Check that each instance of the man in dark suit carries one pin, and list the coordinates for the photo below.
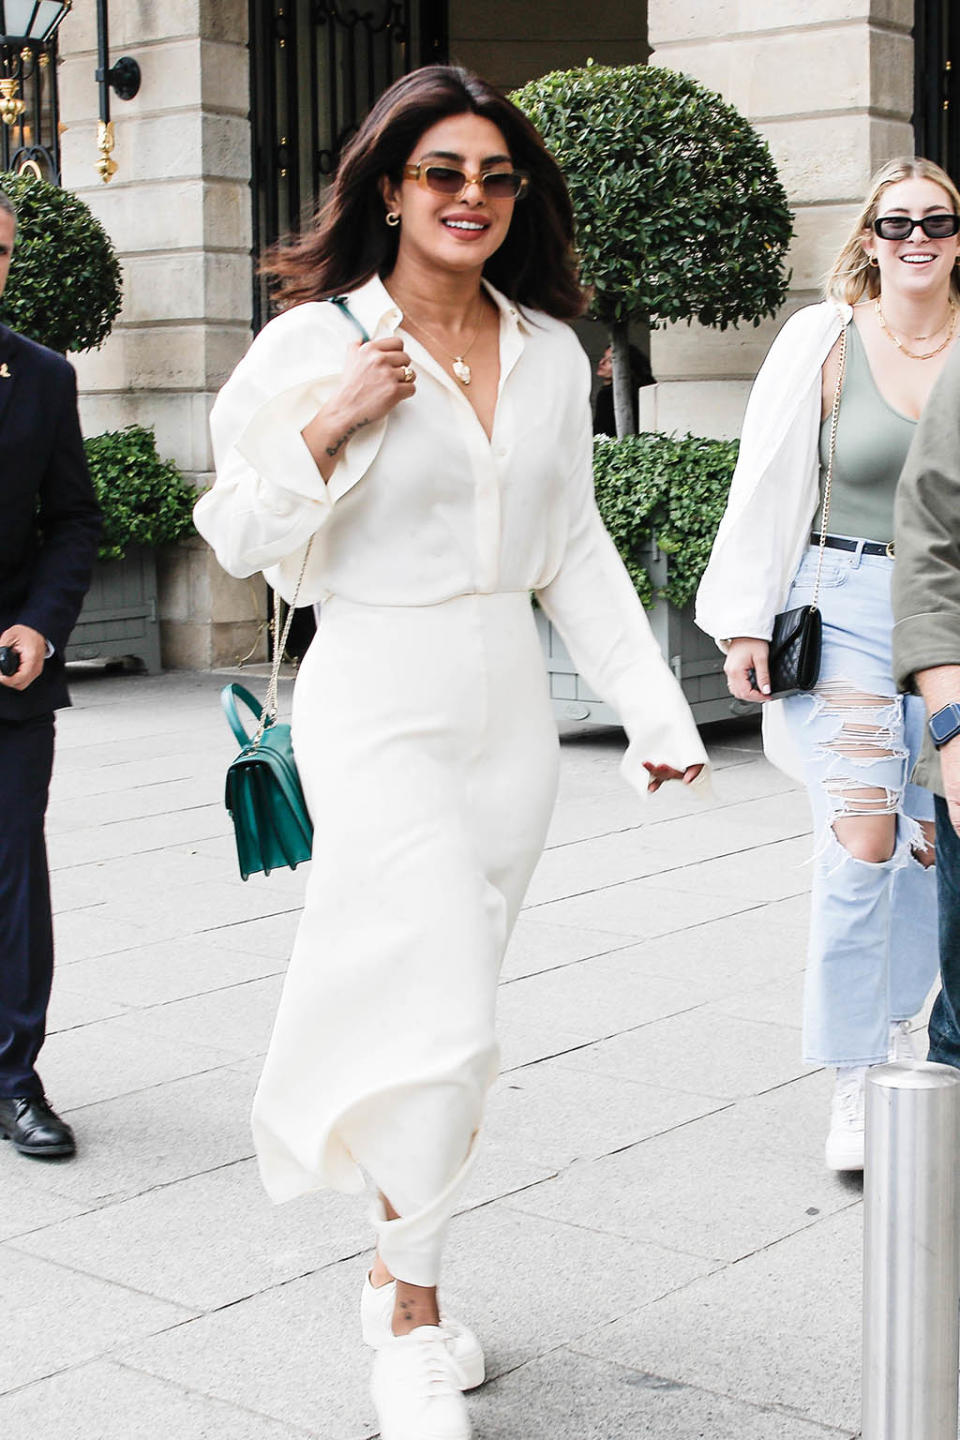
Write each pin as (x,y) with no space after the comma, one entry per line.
(49,529)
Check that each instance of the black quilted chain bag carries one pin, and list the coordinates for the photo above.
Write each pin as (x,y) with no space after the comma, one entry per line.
(797,634)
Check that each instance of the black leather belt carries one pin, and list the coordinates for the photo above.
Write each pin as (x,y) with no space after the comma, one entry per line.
(866,547)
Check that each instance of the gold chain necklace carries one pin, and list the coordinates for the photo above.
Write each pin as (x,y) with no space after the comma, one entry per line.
(458,363)
(912,354)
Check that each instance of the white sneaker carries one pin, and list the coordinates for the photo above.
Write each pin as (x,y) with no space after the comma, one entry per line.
(415,1389)
(844,1147)
(376,1321)
(901,1041)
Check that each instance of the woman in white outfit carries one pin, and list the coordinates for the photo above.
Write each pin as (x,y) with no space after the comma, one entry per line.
(439,472)
(892,298)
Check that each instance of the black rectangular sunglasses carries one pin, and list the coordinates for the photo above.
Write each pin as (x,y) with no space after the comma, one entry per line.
(901,227)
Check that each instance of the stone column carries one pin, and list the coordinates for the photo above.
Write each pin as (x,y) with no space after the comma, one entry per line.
(178,210)
(829,84)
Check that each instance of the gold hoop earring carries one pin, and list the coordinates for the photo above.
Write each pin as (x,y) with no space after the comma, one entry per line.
(393,217)
(874,261)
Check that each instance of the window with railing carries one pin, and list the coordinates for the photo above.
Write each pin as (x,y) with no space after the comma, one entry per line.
(29,114)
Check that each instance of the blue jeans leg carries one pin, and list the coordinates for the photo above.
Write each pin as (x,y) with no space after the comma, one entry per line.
(944,1019)
(913,937)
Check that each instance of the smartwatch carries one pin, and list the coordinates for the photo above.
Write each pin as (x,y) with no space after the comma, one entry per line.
(945,724)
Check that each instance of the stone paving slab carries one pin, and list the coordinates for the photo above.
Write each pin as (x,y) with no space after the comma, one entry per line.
(292,1353)
(115,1402)
(696,1050)
(566,1394)
(650,1192)
(157,1136)
(641,908)
(791,1314)
(164,971)
(64,1317)
(208,1241)
(708,838)
(118,1056)
(561,1115)
(28,1202)
(537,945)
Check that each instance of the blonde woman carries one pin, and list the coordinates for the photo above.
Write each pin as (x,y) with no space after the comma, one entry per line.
(889,320)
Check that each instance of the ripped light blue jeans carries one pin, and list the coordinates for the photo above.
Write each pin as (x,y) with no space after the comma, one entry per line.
(873,952)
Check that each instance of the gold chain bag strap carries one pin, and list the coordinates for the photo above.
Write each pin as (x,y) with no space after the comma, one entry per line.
(263,794)
(797,639)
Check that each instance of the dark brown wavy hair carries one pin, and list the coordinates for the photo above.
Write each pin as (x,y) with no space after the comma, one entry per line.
(349,241)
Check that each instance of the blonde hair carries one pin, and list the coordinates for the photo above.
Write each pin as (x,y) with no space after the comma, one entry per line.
(851,276)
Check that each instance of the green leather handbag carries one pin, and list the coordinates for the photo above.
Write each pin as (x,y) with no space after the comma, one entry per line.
(263,792)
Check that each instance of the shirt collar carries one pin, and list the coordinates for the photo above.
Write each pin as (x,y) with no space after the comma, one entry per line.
(377,311)
(509,309)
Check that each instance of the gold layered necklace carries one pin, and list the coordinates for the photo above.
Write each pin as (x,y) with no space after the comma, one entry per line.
(926,354)
(458,363)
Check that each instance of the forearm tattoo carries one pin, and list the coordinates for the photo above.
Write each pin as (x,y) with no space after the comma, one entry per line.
(338,445)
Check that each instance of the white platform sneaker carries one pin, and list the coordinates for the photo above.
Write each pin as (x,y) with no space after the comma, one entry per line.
(376,1321)
(415,1388)
(845,1142)
(844,1147)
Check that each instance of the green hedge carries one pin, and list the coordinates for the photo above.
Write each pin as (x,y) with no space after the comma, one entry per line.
(145,500)
(680,213)
(64,288)
(670,489)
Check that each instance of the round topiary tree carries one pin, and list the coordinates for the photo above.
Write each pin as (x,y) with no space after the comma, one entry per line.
(64,285)
(680,213)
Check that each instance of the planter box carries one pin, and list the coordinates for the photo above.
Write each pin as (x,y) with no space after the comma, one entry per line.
(692,656)
(119,615)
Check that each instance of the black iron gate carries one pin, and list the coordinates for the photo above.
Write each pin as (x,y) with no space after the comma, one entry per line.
(316,67)
(936,110)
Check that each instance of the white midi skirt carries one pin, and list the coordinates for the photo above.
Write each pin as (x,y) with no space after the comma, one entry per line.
(428,753)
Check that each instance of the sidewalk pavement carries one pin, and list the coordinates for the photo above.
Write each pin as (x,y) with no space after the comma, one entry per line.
(650,1244)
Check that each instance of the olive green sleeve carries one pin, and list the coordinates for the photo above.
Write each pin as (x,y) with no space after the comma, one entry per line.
(926,580)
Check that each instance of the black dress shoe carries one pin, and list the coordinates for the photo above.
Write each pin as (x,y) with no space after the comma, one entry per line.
(33,1127)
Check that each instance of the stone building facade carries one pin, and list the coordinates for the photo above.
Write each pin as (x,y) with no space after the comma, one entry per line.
(830,83)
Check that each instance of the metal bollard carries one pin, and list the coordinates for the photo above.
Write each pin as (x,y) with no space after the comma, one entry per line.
(911,1252)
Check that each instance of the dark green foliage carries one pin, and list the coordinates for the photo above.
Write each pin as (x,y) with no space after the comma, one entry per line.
(680,214)
(657,487)
(145,500)
(64,286)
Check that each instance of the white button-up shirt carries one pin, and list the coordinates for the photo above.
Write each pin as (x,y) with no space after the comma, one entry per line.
(422,506)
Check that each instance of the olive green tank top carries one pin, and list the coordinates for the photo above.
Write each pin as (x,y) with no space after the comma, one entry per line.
(872,444)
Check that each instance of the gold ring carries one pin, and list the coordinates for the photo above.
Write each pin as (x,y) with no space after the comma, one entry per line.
(408,375)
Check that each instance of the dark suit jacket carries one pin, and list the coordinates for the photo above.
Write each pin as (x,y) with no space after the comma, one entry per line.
(49,517)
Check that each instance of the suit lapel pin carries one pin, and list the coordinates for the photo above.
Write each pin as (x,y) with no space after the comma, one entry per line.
(5,371)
